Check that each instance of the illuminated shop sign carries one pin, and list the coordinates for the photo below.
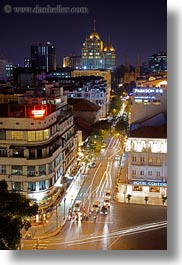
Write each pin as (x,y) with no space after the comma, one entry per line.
(150,183)
(38,113)
(149,90)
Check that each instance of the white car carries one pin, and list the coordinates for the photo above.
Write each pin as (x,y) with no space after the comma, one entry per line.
(117,157)
(107,194)
(77,206)
(96,206)
(107,202)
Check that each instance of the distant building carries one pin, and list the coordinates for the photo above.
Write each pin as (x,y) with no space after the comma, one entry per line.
(132,73)
(27,62)
(25,77)
(95,55)
(74,61)
(6,70)
(157,62)
(64,72)
(43,56)
(109,56)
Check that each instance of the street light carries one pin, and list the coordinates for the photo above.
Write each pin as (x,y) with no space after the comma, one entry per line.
(64,207)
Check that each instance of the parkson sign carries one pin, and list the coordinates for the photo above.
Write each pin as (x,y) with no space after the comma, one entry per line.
(148,90)
(150,183)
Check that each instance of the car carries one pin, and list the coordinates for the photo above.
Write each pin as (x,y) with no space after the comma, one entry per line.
(108,194)
(117,157)
(103,210)
(93,164)
(107,202)
(96,206)
(77,206)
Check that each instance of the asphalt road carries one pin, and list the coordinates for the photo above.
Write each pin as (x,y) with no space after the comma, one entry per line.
(126,226)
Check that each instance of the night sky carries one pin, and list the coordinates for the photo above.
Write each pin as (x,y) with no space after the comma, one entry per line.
(137,27)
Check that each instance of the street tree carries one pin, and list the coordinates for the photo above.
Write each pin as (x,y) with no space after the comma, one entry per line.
(115,106)
(14,212)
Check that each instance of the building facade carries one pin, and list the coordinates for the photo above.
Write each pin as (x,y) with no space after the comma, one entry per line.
(106,74)
(146,150)
(6,70)
(43,56)
(92,88)
(37,142)
(97,56)
(149,99)
(157,62)
(74,61)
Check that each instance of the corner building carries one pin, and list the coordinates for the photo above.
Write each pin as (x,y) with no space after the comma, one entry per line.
(37,142)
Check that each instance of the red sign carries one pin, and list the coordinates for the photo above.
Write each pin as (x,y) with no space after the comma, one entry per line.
(38,113)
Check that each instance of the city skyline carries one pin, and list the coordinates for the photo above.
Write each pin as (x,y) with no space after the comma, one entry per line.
(135,29)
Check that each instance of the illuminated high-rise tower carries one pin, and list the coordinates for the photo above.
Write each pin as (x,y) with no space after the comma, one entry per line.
(109,56)
(92,52)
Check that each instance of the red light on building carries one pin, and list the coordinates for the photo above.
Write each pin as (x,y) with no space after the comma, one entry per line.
(38,113)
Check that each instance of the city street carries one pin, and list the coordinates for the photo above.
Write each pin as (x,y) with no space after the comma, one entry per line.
(126,226)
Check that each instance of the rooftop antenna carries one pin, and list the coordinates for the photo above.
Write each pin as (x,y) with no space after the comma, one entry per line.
(109,39)
(94,25)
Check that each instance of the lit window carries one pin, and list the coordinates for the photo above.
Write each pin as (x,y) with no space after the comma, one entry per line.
(17,170)
(154,189)
(16,135)
(137,188)
(158,160)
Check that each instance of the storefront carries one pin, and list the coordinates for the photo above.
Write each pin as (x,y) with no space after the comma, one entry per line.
(151,189)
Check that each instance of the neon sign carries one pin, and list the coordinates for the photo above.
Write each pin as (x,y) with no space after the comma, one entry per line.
(148,90)
(38,113)
(150,183)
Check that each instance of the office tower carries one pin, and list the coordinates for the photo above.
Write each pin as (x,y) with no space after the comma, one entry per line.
(109,56)
(92,52)
(157,62)
(43,56)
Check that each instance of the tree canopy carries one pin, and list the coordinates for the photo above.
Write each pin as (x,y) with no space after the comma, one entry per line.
(14,208)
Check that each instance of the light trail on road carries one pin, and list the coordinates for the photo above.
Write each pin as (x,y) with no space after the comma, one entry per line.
(106,236)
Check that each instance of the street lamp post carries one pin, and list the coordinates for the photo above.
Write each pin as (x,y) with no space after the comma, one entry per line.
(64,206)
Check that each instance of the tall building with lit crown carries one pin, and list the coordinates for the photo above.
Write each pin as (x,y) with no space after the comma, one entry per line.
(37,142)
(95,55)
(109,56)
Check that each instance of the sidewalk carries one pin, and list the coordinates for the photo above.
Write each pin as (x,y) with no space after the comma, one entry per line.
(57,220)
(139,200)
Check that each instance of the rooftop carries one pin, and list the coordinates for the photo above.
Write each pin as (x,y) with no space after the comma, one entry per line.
(159,132)
(83,105)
